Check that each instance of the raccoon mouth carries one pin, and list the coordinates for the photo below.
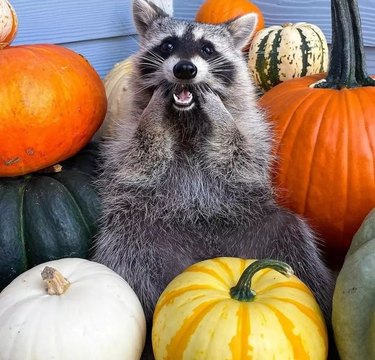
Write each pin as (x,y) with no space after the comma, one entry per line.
(183,100)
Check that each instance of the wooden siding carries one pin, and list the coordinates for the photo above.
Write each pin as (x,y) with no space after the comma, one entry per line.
(103,31)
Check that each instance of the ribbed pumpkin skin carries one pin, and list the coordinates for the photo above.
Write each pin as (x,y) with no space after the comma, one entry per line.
(220,11)
(324,141)
(280,53)
(52,100)
(195,317)
(47,216)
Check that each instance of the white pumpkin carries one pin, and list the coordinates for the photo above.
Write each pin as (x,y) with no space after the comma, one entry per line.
(116,85)
(88,313)
(280,53)
(8,23)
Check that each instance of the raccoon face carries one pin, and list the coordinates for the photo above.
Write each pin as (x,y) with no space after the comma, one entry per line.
(188,58)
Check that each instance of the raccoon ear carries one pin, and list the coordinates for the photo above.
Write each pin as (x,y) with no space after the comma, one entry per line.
(242,29)
(144,13)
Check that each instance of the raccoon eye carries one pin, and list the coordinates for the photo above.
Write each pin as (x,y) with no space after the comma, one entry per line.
(207,49)
(167,47)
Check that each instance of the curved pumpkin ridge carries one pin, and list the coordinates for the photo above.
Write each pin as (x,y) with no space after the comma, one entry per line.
(178,343)
(239,345)
(305,102)
(323,109)
(369,99)
(287,326)
(172,295)
(226,268)
(321,45)
(292,285)
(308,312)
(22,224)
(348,102)
(208,271)
(362,96)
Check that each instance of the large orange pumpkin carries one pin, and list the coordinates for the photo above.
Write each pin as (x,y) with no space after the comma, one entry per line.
(325,138)
(52,102)
(220,11)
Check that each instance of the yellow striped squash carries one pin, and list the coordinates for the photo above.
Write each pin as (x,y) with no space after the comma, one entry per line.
(280,53)
(236,309)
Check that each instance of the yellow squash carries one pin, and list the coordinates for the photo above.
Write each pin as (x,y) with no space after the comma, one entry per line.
(236,309)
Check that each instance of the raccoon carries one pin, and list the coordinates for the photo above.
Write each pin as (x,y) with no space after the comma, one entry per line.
(186,174)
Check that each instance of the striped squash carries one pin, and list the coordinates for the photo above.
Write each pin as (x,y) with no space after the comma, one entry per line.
(280,53)
(236,309)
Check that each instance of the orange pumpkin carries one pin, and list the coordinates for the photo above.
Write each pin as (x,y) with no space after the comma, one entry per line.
(220,11)
(52,102)
(325,138)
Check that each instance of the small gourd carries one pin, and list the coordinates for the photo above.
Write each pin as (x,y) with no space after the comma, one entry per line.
(280,53)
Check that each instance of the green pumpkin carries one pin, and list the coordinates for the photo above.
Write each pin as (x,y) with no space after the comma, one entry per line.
(353,315)
(47,216)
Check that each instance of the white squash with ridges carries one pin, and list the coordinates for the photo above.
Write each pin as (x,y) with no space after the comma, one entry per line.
(280,53)
(83,311)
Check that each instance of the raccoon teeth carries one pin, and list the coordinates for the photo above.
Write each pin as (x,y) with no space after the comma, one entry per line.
(185,98)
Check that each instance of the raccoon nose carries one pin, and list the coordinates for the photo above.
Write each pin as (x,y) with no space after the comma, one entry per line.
(185,69)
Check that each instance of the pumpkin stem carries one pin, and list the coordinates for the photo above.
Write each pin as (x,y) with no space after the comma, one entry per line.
(242,291)
(347,67)
(56,284)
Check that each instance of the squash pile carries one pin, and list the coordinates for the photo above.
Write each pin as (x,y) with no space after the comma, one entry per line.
(52,102)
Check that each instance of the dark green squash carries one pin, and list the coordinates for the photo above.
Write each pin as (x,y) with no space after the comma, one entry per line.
(47,216)
(353,315)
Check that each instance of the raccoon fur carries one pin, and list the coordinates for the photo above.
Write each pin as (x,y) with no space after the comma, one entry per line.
(186,175)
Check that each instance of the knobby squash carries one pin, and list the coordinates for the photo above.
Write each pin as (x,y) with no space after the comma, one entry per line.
(353,309)
(280,53)
(230,308)
(70,309)
(324,138)
(46,216)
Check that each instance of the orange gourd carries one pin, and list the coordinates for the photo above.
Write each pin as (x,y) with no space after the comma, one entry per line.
(220,11)
(325,138)
(52,102)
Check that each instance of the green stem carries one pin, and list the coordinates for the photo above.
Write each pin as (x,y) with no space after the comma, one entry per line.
(243,291)
(347,68)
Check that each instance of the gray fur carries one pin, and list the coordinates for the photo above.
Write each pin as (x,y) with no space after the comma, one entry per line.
(180,187)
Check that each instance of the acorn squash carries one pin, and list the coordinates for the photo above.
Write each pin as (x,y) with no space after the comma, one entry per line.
(353,315)
(47,216)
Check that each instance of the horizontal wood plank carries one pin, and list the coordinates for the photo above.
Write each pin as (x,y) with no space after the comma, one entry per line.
(56,21)
(104,54)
